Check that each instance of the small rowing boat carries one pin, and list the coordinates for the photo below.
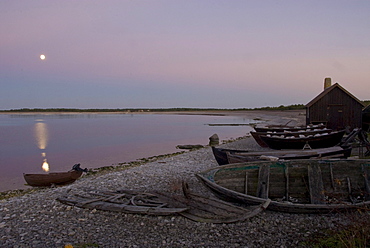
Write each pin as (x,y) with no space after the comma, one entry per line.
(55,178)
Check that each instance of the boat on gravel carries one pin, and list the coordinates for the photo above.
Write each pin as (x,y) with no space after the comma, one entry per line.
(285,128)
(295,186)
(55,178)
(320,153)
(225,156)
(297,134)
(220,154)
(311,141)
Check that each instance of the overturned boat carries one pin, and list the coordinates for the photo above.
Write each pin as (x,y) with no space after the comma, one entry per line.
(295,186)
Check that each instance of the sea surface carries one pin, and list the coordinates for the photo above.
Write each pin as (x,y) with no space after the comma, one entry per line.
(36,143)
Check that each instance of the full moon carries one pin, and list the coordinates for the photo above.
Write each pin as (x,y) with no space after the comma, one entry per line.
(42,57)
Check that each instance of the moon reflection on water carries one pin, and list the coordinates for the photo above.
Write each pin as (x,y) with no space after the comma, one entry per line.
(41,136)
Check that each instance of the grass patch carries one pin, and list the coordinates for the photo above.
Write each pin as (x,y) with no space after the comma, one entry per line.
(233,140)
(355,233)
(18,192)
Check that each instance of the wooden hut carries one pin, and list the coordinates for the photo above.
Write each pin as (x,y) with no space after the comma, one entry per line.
(335,107)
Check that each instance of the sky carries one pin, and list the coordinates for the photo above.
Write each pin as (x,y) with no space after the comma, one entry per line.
(172,53)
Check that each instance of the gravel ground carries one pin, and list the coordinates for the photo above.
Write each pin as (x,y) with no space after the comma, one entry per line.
(38,220)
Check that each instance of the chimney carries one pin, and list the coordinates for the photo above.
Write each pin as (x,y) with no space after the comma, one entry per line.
(327,83)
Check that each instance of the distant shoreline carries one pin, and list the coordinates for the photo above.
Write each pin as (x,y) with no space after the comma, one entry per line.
(275,117)
(151,110)
(190,112)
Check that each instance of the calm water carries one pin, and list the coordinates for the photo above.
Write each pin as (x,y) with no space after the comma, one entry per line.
(96,140)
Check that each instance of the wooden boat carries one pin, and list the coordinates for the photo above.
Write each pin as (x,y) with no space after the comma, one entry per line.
(284,128)
(211,210)
(227,156)
(190,205)
(320,153)
(126,201)
(314,141)
(56,178)
(221,156)
(300,133)
(295,186)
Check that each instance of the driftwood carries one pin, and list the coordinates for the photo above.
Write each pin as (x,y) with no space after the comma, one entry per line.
(190,205)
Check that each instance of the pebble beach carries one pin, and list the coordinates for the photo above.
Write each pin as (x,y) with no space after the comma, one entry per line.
(37,220)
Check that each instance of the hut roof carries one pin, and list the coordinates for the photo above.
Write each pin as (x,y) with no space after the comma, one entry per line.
(329,89)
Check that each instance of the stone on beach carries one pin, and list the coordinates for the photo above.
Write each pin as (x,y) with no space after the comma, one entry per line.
(214,140)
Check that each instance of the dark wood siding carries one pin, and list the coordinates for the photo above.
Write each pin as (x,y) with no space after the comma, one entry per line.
(366,119)
(337,109)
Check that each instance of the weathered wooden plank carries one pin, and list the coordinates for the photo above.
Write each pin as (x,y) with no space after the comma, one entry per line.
(332,177)
(286,174)
(315,184)
(263,181)
(246,183)
(349,187)
(365,171)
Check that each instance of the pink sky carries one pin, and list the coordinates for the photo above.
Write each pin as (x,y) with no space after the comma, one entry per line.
(159,54)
